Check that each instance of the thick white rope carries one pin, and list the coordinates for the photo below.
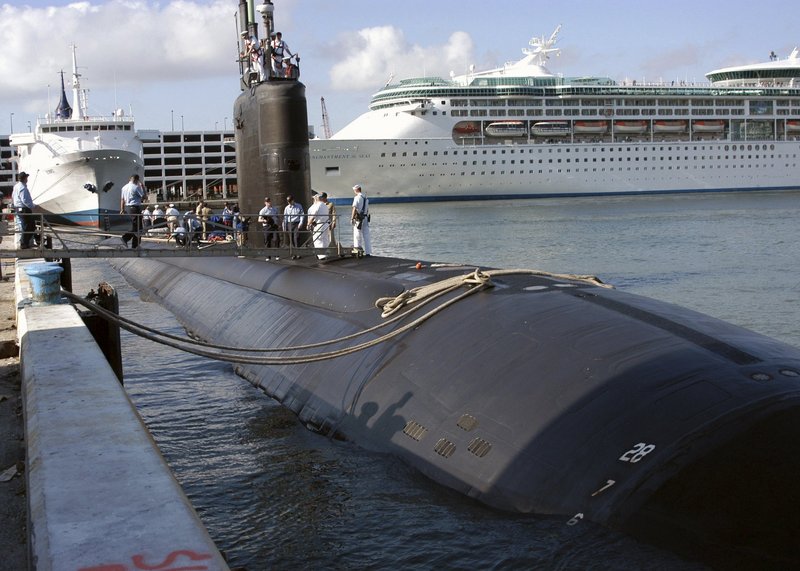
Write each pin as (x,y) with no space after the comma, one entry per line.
(475,281)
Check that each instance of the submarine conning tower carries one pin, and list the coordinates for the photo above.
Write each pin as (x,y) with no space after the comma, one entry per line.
(271,126)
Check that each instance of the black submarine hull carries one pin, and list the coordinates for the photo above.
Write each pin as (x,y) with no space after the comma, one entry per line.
(538,395)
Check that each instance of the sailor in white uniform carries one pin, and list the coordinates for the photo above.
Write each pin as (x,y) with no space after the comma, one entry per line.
(360,220)
(280,51)
(318,223)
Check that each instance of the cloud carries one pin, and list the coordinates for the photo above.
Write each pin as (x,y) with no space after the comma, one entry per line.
(372,55)
(122,43)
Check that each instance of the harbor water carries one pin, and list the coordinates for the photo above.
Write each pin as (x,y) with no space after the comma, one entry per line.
(277,496)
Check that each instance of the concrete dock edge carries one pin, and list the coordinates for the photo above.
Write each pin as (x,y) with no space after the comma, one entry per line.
(100,495)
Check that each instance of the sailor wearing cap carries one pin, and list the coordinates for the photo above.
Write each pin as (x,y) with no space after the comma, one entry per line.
(268,217)
(360,219)
(23,206)
(280,53)
(331,217)
(147,217)
(252,52)
(319,225)
(293,215)
(173,215)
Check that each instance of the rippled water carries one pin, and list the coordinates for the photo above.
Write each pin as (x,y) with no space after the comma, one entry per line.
(276,496)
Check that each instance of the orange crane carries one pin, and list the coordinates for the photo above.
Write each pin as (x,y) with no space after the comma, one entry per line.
(326,126)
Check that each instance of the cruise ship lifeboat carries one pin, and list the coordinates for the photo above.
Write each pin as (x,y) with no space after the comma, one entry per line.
(507,129)
(466,128)
(551,129)
(595,127)
(630,127)
(793,126)
(669,126)
(705,126)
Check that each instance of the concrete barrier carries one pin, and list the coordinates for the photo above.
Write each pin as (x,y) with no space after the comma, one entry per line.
(101,497)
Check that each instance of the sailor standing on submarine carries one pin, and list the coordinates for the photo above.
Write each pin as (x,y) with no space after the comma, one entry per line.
(360,220)
(318,223)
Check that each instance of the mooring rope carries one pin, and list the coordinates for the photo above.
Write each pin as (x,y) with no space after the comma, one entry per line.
(475,281)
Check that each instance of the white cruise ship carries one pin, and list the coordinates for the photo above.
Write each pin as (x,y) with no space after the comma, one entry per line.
(77,164)
(520,131)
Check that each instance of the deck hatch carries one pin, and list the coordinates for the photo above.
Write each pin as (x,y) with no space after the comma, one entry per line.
(467,422)
(444,448)
(479,447)
(415,430)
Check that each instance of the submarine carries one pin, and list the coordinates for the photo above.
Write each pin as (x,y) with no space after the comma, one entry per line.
(527,391)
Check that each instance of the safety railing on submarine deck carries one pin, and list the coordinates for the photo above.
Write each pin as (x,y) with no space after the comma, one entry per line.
(112,236)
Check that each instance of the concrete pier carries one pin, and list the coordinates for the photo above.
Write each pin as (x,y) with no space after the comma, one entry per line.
(13,505)
(100,496)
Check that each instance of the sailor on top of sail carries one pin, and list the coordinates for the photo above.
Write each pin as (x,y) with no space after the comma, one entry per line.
(279,48)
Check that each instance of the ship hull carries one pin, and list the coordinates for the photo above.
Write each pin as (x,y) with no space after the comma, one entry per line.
(58,184)
(449,171)
(540,395)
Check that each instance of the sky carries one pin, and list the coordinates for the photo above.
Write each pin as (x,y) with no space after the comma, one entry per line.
(172,63)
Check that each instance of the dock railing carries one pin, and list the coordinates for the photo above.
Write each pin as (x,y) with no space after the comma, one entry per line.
(113,236)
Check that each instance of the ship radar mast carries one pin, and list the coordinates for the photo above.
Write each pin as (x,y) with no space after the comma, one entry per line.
(542,48)
(79,97)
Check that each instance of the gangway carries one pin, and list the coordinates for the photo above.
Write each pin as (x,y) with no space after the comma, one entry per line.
(60,241)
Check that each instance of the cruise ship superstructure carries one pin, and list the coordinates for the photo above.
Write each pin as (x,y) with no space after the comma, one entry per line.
(77,163)
(521,131)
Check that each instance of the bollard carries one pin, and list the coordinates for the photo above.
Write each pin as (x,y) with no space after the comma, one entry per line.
(45,284)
